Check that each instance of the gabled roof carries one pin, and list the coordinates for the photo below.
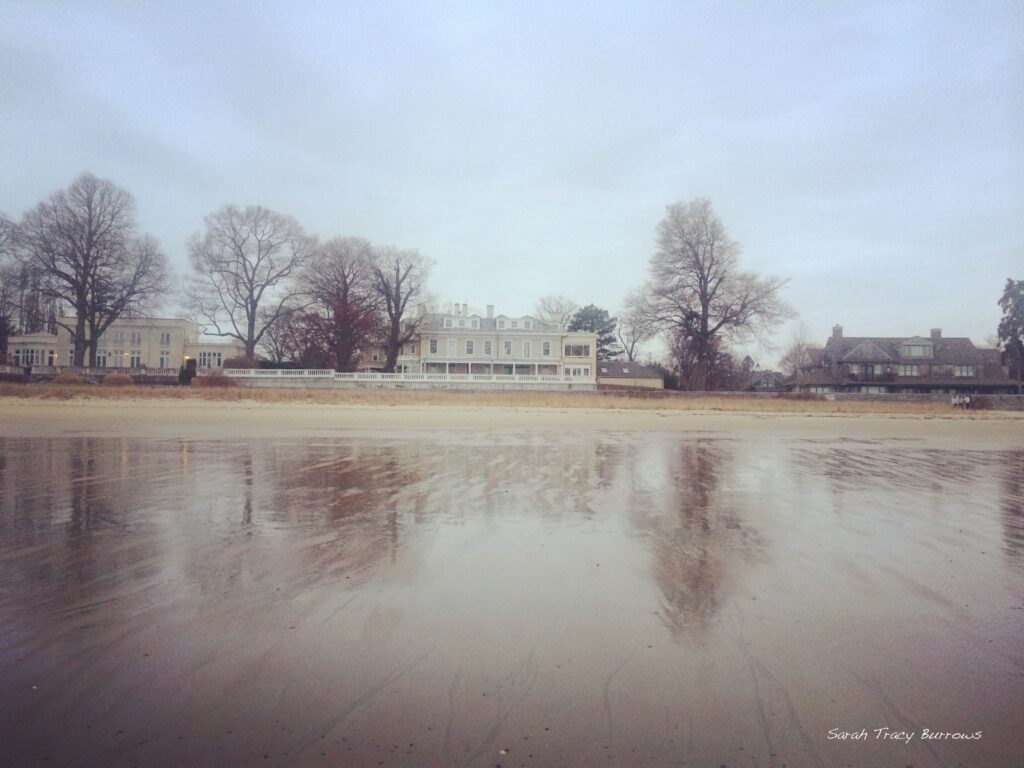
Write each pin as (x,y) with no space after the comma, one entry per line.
(867,351)
(880,349)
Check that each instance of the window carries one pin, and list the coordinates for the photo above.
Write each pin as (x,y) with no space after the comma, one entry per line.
(528,325)
(447,322)
(916,350)
(470,347)
(909,370)
(508,349)
(433,346)
(545,349)
(964,370)
(136,338)
(577,350)
(118,337)
(452,347)
(71,356)
(501,324)
(412,348)
(120,358)
(209,359)
(165,359)
(487,347)
(135,359)
(462,323)
(527,349)
(165,341)
(515,323)
(476,323)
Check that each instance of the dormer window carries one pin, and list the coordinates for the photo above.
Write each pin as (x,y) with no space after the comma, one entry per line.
(528,325)
(911,349)
(447,322)
(462,323)
(501,325)
(476,323)
(515,323)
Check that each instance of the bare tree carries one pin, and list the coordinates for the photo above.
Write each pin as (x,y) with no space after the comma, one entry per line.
(797,357)
(280,341)
(400,278)
(556,309)
(697,291)
(340,280)
(8,278)
(636,325)
(81,246)
(245,265)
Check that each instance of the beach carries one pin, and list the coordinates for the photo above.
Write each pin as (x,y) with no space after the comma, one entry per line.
(304,584)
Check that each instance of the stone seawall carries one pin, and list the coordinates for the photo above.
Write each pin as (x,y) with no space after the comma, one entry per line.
(993,402)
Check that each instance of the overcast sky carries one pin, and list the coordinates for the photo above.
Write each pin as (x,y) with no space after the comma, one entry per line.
(873,154)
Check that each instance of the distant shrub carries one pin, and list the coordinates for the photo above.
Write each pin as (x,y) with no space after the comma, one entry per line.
(215,380)
(14,378)
(68,377)
(117,380)
(242,361)
(800,396)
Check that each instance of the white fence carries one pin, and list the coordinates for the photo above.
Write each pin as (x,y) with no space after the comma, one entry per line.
(52,370)
(400,378)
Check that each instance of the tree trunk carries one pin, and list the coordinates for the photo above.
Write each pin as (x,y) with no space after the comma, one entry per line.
(79,340)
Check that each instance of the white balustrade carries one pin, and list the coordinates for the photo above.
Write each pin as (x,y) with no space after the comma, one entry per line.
(398,378)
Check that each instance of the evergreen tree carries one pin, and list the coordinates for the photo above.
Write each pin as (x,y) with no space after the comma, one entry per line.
(593,319)
(1011,327)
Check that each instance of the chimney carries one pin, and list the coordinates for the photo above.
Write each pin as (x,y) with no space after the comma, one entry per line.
(837,331)
(465,310)
(936,334)
(490,311)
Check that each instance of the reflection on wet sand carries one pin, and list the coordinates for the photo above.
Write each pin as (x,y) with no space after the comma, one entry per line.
(1013,506)
(470,599)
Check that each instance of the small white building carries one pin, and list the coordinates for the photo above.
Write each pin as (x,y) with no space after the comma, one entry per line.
(152,343)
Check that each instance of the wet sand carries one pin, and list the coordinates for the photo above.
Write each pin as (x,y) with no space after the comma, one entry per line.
(311,586)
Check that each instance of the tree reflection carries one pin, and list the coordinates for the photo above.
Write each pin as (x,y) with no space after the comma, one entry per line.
(699,540)
(1012,504)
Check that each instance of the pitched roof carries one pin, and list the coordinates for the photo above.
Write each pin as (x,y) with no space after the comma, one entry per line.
(435,322)
(882,349)
(866,351)
(610,369)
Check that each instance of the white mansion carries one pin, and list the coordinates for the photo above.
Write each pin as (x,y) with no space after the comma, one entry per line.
(464,343)
(153,343)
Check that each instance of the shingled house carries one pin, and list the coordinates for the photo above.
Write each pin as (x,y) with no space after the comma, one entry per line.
(875,365)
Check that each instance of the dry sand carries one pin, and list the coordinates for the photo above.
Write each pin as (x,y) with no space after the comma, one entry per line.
(164,417)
